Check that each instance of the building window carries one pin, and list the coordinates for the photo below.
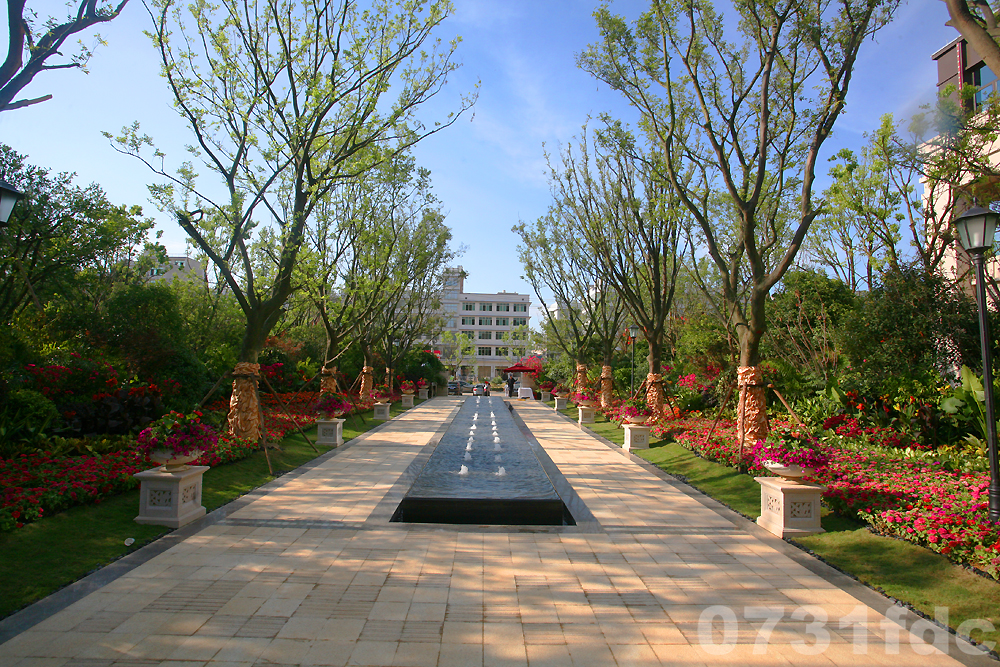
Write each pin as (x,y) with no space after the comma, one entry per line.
(485,321)
(485,351)
(520,307)
(485,335)
(520,321)
(468,321)
(503,321)
(451,307)
(502,351)
(503,307)
(468,306)
(450,324)
(180,266)
(500,334)
(469,334)
(486,307)
(450,294)
(986,81)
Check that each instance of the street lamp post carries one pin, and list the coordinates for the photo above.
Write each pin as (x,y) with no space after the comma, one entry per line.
(633,331)
(976,228)
(8,197)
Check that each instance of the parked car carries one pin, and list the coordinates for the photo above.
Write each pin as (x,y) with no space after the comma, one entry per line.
(479,390)
(459,387)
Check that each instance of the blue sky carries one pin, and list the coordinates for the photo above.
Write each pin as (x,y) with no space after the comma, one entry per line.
(489,168)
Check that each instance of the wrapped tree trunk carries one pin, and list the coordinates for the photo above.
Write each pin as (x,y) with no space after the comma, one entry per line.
(580,382)
(328,381)
(751,413)
(244,406)
(367,378)
(607,383)
(654,393)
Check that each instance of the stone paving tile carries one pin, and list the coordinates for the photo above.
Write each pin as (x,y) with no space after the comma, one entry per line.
(677,592)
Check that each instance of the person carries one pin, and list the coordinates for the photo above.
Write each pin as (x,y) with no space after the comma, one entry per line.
(510,385)
(486,387)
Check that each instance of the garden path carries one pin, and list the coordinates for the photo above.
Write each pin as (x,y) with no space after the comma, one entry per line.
(309,571)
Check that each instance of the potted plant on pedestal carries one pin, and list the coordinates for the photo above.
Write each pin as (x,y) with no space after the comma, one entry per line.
(635,411)
(585,398)
(790,453)
(176,440)
(407,387)
(332,406)
(381,394)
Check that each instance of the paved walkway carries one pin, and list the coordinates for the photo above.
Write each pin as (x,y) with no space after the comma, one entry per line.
(309,571)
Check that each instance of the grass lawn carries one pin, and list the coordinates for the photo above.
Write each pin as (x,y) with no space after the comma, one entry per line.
(46,555)
(905,571)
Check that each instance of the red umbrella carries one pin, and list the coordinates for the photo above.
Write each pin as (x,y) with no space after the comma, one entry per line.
(519,368)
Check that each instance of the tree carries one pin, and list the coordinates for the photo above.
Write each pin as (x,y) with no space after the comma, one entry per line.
(631,224)
(557,261)
(22,40)
(977,22)
(285,100)
(743,119)
(456,349)
(63,239)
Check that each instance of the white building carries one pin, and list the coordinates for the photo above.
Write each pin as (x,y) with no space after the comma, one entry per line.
(183,268)
(497,324)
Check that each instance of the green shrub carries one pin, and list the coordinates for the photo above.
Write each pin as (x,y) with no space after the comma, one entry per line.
(24,416)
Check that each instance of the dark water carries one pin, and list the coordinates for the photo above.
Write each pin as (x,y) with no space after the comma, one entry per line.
(442,494)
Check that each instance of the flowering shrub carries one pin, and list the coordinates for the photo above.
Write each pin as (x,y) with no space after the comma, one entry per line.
(917,500)
(179,434)
(40,484)
(422,383)
(585,396)
(407,387)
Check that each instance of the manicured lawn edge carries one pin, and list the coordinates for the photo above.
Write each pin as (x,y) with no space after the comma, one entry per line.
(35,560)
(901,571)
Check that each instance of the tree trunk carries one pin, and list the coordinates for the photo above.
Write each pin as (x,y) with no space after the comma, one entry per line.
(654,379)
(244,406)
(607,383)
(580,381)
(751,415)
(328,381)
(367,380)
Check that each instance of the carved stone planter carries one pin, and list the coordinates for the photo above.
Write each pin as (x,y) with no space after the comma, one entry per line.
(422,393)
(407,400)
(586,414)
(788,508)
(170,499)
(561,402)
(636,437)
(330,432)
(382,411)
(546,397)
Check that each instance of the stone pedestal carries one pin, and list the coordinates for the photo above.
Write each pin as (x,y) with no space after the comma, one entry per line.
(525,393)
(586,415)
(636,437)
(407,400)
(546,396)
(170,499)
(561,402)
(422,393)
(382,411)
(788,509)
(330,432)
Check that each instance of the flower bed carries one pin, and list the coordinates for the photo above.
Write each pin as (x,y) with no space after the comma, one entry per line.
(35,485)
(919,501)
